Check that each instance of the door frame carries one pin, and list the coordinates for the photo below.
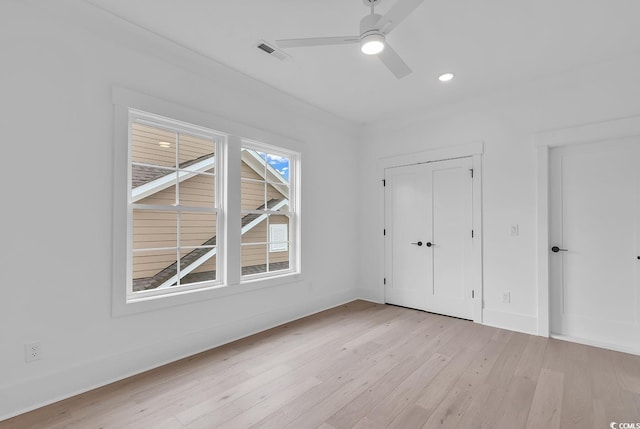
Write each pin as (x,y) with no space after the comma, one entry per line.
(544,141)
(470,150)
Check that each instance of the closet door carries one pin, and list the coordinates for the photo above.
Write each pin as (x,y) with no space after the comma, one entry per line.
(429,237)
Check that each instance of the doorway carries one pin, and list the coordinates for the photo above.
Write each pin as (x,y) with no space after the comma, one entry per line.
(594,242)
(552,292)
(429,237)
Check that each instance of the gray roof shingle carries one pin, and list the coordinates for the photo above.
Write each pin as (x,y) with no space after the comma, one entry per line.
(141,174)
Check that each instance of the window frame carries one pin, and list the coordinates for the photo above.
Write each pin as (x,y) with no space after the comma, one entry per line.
(178,127)
(229,153)
(293,212)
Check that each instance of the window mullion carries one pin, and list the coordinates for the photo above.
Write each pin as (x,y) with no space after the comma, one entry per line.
(233,225)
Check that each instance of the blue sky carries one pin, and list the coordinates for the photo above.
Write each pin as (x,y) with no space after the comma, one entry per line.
(279,163)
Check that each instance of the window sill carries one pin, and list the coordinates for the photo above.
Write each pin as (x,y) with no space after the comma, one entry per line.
(272,280)
(152,303)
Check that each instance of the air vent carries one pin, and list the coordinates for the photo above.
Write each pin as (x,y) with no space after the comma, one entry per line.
(268,49)
(271,50)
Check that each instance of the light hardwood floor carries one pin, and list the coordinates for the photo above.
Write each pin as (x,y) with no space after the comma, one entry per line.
(365,365)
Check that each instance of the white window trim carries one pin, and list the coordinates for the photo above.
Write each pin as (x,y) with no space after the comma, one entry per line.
(138,116)
(229,236)
(294,207)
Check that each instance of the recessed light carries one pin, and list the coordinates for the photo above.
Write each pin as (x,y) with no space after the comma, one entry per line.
(164,144)
(445,77)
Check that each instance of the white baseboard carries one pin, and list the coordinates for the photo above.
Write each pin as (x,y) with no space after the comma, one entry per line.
(494,318)
(369,295)
(511,321)
(104,370)
(600,344)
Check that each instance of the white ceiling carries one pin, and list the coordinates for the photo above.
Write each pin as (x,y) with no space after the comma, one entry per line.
(489,44)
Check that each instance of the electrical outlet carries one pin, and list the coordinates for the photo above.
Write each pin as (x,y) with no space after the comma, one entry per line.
(32,352)
(506,297)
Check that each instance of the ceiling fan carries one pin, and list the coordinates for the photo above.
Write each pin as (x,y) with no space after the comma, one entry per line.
(373,31)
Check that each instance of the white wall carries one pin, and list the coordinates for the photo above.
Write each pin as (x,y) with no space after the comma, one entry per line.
(58,64)
(506,122)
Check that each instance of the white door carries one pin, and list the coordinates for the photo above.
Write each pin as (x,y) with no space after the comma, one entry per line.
(428,246)
(594,235)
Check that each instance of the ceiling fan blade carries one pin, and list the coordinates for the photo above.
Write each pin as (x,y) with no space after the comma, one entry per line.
(392,60)
(317,41)
(397,14)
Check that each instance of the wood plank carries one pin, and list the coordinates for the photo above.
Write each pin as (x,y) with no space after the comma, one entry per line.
(407,391)
(517,399)
(365,365)
(547,401)
(421,342)
(577,400)
(485,412)
(432,395)
(269,405)
(349,390)
(505,366)
(532,357)
(451,409)
(349,415)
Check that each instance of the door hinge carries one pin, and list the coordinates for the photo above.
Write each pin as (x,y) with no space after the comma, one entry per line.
(384,182)
(471,233)
(471,170)
(384,281)
(473,294)
(384,232)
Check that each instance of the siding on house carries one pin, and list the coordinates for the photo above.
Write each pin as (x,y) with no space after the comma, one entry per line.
(146,149)
(154,229)
(256,254)
(157,229)
(253,189)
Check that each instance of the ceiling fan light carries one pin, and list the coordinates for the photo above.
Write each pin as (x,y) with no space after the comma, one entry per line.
(372,44)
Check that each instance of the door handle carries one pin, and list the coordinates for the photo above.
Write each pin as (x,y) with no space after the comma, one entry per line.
(429,244)
(556,249)
(419,243)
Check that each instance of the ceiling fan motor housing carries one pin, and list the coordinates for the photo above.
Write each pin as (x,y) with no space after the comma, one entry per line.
(371,38)
(368,25)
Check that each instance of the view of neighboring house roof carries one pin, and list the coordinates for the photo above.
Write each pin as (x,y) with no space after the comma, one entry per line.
(168,276)
(143,176)
(258,164)
(252,269)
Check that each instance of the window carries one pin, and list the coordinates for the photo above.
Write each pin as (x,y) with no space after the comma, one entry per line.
(268,213)
(203,209)
(173,206)
(278,234)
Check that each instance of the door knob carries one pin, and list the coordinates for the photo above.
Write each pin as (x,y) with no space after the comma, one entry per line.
(419,243)
(429,244)
(556,249)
